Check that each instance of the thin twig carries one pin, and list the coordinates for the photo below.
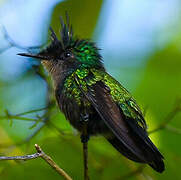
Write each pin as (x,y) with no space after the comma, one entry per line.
(32,111)
(26,157)
(44,119)
(12,43)
(85,156)
(19,116)
(49,160)
(34,133)
(44,156)
(169,117)
(84,140)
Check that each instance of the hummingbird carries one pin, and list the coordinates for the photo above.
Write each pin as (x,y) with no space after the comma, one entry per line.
(87,94)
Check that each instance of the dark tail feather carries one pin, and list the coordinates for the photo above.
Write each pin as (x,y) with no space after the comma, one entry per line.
(147,146)
(122,148)
(156,163)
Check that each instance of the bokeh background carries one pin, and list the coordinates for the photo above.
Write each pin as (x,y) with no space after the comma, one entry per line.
(141,47)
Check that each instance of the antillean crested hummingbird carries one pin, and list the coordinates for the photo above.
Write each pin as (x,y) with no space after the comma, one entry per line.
(93,101)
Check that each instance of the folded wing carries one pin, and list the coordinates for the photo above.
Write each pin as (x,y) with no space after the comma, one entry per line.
(126,135)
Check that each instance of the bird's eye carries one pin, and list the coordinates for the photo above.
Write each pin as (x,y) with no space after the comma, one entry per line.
(67,54)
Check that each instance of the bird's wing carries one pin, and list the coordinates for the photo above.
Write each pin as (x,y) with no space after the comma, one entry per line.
(100,98)
(119,115)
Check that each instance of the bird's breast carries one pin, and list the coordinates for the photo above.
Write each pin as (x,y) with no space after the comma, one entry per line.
(74,105)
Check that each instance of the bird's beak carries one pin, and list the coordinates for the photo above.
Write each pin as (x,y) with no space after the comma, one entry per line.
(37,56)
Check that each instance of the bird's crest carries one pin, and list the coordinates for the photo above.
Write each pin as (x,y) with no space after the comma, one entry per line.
(65,41)
(84,50)
(66,34)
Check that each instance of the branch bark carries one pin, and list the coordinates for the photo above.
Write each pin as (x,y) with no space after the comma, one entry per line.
(42,155)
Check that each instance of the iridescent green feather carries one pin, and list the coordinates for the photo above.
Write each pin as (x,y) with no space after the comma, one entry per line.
(119,94)
(87,53)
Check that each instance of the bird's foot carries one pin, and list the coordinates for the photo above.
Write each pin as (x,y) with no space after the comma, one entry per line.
(84,118)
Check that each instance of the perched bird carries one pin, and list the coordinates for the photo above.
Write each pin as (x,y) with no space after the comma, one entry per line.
(87,94)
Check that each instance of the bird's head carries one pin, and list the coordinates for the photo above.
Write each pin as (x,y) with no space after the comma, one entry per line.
(68,53)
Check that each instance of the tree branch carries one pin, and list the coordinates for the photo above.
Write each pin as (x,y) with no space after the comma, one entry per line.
(8,115)
(44,156)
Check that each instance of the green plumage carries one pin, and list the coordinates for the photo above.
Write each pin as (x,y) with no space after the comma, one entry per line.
(118,93)
(85,92)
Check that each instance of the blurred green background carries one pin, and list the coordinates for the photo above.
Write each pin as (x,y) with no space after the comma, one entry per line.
(141,47)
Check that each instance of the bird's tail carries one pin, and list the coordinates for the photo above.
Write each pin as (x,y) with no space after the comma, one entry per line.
(149,153)
(158,165)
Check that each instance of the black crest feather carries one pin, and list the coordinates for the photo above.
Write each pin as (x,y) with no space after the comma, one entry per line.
(65,41)
(66,32)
